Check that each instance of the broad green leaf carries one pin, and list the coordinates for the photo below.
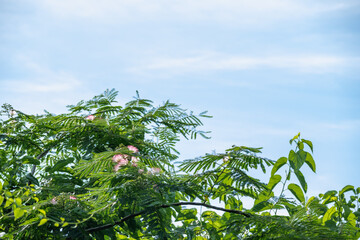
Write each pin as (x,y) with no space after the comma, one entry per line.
(9,201)
(297,192)
(301,179)
(65,224)
(274,180)
(30,160)
(8,194)
(352,219)
(18,201)
(309,143)
(32,179)
(329,196)
(347,211)
(42,221)
(295,137)
(310,201)
(310,162)
(1,200)
(329,193)
(42,211)
(279,163)
(329,213)
(18,213)
(296,159)
(0,186)
(346,189)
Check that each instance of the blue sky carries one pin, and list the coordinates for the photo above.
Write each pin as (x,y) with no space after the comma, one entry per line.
(265,70)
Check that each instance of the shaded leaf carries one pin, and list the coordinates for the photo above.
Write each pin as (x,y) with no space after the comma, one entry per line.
(297,192)
(30,160)
(274,180)
(301,179)
(32,179)
(310,162)
(346,189)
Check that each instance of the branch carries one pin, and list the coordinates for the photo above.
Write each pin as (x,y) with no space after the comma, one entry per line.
(41,155)
(106,226)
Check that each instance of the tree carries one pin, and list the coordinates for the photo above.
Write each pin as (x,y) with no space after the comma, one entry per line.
(103,171)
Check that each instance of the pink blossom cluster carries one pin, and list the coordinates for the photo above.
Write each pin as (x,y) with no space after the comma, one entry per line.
(155,170)
(90,118)
(123,159)
(54,200)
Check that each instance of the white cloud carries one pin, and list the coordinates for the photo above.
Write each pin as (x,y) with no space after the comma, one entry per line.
(216,62)
(41,79)
(230,11)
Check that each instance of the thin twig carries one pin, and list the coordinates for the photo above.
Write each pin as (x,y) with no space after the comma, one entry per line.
(106,226)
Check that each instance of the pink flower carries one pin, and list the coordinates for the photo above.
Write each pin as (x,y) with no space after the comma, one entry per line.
(72,198)
(133,149)
(134,159)
(120,163)
(12,113)
(226,158)
(155,170)
(123,162)
(134,164)
(90,117)
(118,158)
(116,167)
(141,171)
(53,201)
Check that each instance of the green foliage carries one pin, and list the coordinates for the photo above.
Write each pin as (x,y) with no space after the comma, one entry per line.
(104,171)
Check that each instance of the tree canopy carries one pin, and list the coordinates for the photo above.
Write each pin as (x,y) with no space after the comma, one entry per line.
(104,171)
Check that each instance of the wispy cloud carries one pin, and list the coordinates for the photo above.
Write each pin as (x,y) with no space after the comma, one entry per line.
(229,11)
(216,62)
(41,79)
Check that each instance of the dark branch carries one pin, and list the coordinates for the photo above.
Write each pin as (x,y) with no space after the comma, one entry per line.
(94,229)
(41,155)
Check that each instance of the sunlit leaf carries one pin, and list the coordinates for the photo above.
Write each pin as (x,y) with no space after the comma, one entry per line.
(278,164)
(310,162)
(328,214)
(18,213)
(18,201)
(295,137)
(9,201)
(274,180)
(42,221)
(309,143)
(352,219)
(346,189)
